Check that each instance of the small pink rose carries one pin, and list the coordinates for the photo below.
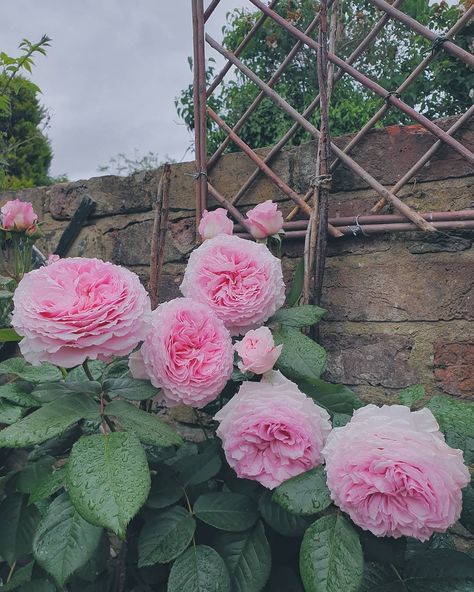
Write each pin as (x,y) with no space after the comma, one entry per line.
(265,220)
(18,215)
(214,223)
(258,351)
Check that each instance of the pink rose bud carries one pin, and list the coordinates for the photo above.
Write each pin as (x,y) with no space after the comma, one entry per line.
(52,258)
(258,351)
(214,223)
(265,220)
(18,215)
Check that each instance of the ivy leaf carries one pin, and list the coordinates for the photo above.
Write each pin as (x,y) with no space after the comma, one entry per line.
(64,541)
(108,479)
(305,494)
(19,367)
(301,358)
(129,388)
(165,536)
(226,511)
(336,398)
(247,556)
(331,557)
(148,428)
(456,420)
(279,519)
(50,420)
(200,569)
(410,395)
(19,522)
(299,316)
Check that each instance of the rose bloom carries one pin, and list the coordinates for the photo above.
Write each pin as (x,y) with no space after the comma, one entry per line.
(265,220)
(271,431)
(79,308)
(241,281)
(258,351)
(187,353)
(18,215)
(214,223)
(390,469)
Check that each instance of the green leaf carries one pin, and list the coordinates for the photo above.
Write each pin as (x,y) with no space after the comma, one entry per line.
(456,420)
(18,522)
(19,367)
(50,391)
(108,479)
(331,556)
(226,511)
(439,571)
(9,413)
(301,357)
(48,486)
(19,393)
(165,488)
(64,541)
(33,473)
(336,398)
(279,519)
(78,374)
(200,569)
(21,576)
(50,420)
(7,334)
(305,494)
(129,388)
(148,428)
(296,285)
(247,556)
(165,536)
(41,585)
(299,316)
(410,395)
(198,468)
(381,578)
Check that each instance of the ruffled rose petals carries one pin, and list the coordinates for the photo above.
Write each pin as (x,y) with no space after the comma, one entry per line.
(390,469)
(79,308)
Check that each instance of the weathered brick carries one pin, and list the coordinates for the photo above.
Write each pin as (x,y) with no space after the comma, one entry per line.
(454,367)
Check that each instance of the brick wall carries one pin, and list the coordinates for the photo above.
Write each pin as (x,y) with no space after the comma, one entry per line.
(400,307)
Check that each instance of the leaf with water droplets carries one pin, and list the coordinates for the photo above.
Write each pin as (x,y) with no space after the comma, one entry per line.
(165,536)
(148,428)
(18,522)
(50,420)
(19,367)
(108,479)
(200,569)
(64,541)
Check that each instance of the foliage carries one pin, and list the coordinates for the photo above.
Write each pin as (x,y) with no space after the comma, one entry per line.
(445,88)
(25,152)
(124,165)
(87,474)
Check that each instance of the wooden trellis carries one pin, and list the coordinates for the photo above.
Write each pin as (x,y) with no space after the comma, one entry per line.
(317,211)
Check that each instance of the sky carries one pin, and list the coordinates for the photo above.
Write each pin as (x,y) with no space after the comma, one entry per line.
(111,74)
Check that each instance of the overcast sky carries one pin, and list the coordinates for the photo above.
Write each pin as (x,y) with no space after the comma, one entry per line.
(111,75)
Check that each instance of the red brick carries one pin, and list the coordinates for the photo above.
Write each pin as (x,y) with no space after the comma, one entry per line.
(454,367)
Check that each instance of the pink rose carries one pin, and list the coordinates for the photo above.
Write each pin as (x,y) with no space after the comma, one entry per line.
(258,351)
(187,353)
(52,258)
(390,469)
(214,223)
(18,215)
(271,431)
(265,220)
(79,308)
(241,281)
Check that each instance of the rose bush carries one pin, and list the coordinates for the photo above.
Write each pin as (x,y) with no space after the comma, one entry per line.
(262,484)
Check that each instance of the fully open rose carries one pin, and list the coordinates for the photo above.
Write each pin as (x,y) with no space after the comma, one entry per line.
(271,431)
(390,469)
(79,308)
(187,352)
(241,281)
